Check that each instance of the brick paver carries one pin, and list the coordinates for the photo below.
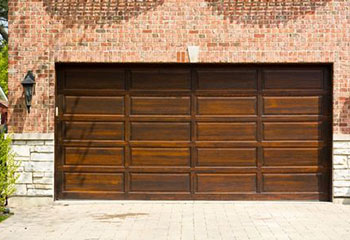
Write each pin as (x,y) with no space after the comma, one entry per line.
(179,220)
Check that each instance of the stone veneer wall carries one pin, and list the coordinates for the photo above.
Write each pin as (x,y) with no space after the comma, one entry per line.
(36,153)
(341,166)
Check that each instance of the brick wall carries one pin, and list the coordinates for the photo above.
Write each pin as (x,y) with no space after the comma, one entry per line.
(289,31)
(43,32)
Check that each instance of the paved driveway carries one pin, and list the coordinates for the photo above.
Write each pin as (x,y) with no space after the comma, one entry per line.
(179,220)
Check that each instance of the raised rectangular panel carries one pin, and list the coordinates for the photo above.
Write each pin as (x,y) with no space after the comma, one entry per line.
(292,131)
(94,105)
(226,105)
(94,182)
(229,183)
(167,131)
(293,105)
(161,79)
(226,131)
(95,79)
(161,105)
(159,182)
(226,157)
(94,130)
(227,79)
(94,156)
(293,79)
(160,156)
(292,156)
(293,182)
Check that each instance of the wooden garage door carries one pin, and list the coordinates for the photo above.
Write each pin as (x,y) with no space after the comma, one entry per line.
(193,132)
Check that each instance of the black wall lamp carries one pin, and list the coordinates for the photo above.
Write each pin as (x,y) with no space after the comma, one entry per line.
(28,85)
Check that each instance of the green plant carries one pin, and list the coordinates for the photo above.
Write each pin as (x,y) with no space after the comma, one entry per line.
(8,170)
(4,67)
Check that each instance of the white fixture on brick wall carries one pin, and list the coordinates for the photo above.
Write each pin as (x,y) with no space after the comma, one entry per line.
(193,52)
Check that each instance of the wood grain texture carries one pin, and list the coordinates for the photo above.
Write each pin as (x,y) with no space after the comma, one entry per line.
(292,131)
(226,131)
(94,105)
(161,182)
(226,183)
(94,130)
(93,182)
(160,156)
(292,156)
(292,105)
(292,183)
(94,156)
(226,156)
(226,79)
(193,131)
(160,131)
(226,106)
(160,105)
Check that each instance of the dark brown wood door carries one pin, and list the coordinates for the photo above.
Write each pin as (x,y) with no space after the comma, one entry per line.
(193,132)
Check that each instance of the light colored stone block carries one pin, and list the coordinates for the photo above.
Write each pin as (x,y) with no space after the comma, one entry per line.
(342,191)
(342,174)
(33,143)
(340,151)
(43,149)
(25,177)
(43,166)
(28,166)
(50,143)
(42,156)
(337,183)
(340,159)
(40,192)
(21,189)
(43,180)
(14,142)
(21,150)
(22,159)
(38,174)
(43,186)
(341,145)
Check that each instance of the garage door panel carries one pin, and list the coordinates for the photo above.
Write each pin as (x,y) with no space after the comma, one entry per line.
(95,79)
(160,156)
(164,182)
(293,105)
(226,131)
(226,157)
(226,106)
(293,79)
(292,156)
(292,131)
(161,105)
(166,131)
(94,130)
(161,79)
(94,182)
(94,105)
(226,183)
(311,182)
(227,79)
(94,156)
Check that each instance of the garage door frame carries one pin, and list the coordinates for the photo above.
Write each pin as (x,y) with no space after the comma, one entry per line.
(58,177)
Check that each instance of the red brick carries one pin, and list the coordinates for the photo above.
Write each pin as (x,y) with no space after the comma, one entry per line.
(288,31)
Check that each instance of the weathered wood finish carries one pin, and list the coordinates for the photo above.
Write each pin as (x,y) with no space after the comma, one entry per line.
(147,131)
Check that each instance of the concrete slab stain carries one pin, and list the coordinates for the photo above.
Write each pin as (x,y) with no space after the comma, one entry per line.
(120,216)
